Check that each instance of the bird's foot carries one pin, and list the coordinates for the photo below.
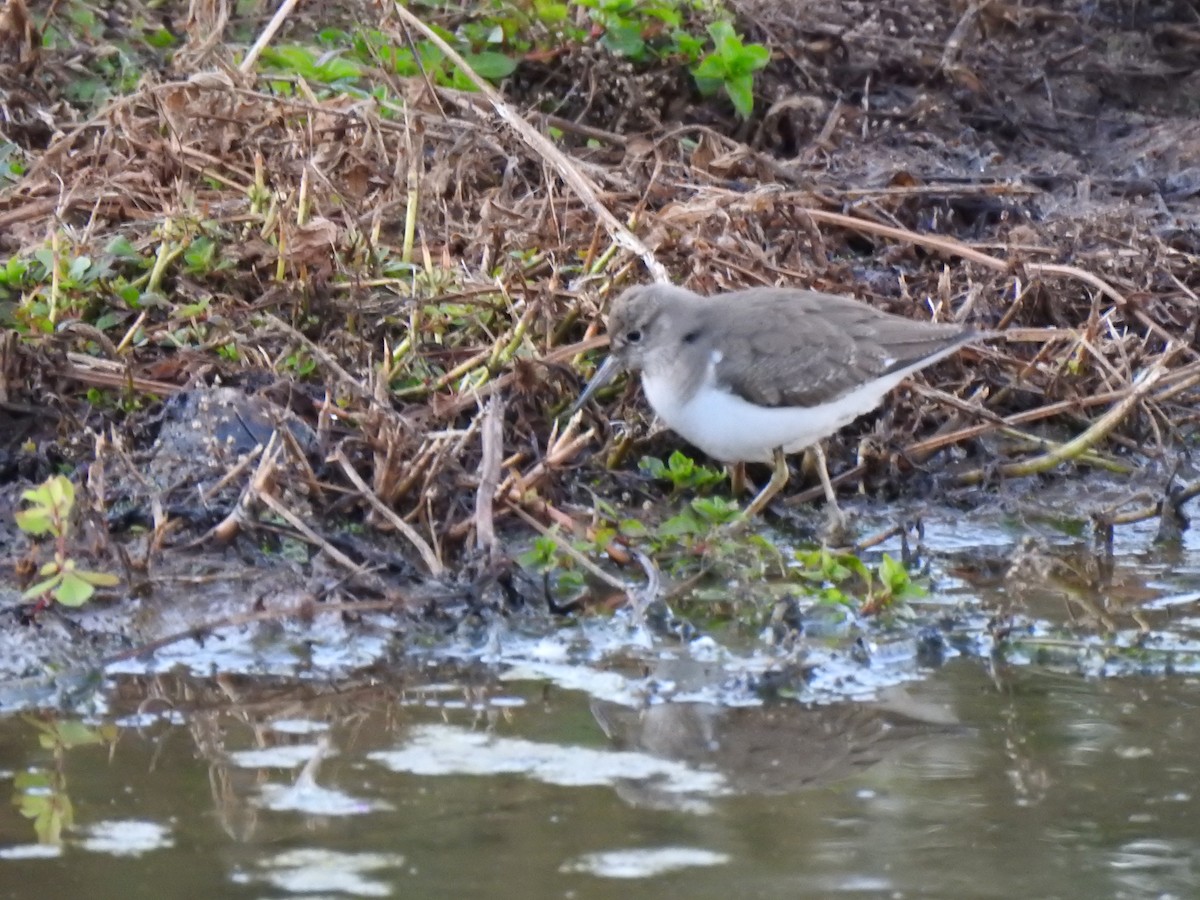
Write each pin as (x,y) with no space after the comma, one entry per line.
(838,530)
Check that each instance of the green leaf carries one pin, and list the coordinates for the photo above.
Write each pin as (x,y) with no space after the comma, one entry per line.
(332,37)
(121,249)
(541,555)
(666,14)
(688,46)
(740,89)
(160,39)
(709,86)
(633,528)
(716,510)
(302,61)
(74,590)
(193,310)
(602,537)
(40,797)
(199,255)
(37,591)
(98,579)
(682,525)
(571,582)
(81,15)
(892,573)
(45,257)
(551,13)
(490,64)
(34,521)
(14,270)
(625,40)
(73,733)
(458,80)
(401,60)
(78,268)
(654,467)
(62,492)
(289,57)
(109,320)
(753,57)
(724,38)
(711,68)
(337,69)
(680,465)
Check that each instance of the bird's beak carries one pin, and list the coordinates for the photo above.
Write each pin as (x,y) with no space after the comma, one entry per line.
(610,367)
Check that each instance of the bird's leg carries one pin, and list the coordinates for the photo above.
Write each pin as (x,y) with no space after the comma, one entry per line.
(837,519)
(737,478)
(779,477)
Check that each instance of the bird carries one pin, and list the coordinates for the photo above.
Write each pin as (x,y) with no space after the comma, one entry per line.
(756,374)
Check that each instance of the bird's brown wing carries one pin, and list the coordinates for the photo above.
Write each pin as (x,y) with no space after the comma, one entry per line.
(801,348)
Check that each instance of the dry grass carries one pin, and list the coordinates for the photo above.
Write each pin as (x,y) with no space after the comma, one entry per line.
(441,266)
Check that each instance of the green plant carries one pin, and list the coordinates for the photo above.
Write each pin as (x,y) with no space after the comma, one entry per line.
(349,56)
(628,24)
(895,585)
(300,364)
(201,257)
(640,31)
(731,65)
(49,513)
(681,470)
(698,518)
(547,558)
(499,34)
(312,65)
(846,580)
(62,281)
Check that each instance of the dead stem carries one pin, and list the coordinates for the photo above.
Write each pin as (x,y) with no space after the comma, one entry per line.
(432,564)
(491,448)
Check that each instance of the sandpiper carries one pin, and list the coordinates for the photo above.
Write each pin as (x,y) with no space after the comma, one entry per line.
(753,375)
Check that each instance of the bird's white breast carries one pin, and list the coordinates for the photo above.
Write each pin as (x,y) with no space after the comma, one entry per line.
(730,429)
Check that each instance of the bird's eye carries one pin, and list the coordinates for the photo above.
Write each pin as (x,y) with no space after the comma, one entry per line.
(634,336)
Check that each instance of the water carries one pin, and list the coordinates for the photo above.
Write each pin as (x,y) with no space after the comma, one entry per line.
(325,756)
(1017,783)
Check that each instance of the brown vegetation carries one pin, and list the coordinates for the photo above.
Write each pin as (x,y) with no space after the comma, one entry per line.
(443,265)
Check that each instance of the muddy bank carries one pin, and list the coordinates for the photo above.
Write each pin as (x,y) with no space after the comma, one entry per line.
(327,328)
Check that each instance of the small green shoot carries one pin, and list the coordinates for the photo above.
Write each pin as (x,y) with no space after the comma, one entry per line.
(49,513)
(547,558)
(731,65)
(895,585)
(681,471)
(300,364)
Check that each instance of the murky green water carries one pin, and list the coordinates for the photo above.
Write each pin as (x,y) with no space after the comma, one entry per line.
(1010,784)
